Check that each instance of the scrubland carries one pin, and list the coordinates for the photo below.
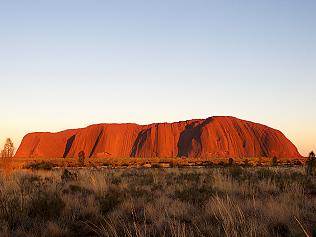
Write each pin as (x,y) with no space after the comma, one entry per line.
(18,163)
(230,201)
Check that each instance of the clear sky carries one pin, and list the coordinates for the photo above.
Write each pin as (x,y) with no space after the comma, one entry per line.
(72,63)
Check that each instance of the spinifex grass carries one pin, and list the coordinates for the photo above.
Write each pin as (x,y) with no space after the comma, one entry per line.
(226,201)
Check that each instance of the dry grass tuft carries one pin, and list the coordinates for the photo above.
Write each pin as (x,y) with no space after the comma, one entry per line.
(227,201)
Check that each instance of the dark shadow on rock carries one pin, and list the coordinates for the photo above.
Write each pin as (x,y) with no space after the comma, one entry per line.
(192,132)
(139,142)
(68,145)
(96,143)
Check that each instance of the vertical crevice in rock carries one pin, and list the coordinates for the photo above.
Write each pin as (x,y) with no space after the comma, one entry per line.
(96,143)
(68,145)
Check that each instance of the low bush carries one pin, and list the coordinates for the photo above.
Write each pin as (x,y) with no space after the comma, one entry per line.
(68,176)
(43,165)
(109,201)
(194,194)
(46,205)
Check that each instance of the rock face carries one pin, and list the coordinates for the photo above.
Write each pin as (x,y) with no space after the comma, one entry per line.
(207,138)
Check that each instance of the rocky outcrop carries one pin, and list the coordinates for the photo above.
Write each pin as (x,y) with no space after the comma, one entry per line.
(207,138)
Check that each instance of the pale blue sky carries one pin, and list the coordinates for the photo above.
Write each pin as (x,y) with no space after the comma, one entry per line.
(71,63)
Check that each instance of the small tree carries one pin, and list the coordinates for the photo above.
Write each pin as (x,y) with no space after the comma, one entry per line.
(259,162)
(81,156)
(310,164)
(230,161)
(274,161)
(246,163)
(8,149)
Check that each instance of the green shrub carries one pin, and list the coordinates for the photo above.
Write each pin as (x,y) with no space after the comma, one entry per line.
(297,162)
(76,189)
(194,194)
(81,158)
(236,172)
(109,201)
(231,161)
(46,205)
(10,209)
(279,229)
(68,176)
(43,165)
(310,164)
(155,166)
(246,163)
(264,173)
(274,161)
(221,163)
(208,163)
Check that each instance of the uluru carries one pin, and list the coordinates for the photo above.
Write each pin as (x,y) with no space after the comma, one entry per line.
(218,136)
